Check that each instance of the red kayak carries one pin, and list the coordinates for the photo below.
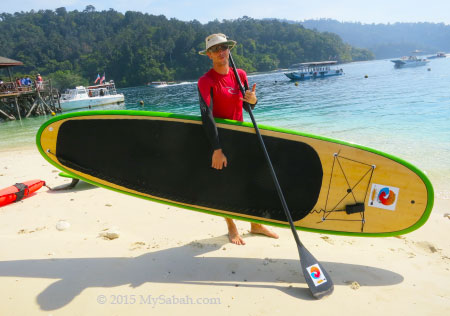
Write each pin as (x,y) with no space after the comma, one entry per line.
(18,191)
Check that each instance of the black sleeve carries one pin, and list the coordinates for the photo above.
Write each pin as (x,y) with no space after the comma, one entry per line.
(209,125)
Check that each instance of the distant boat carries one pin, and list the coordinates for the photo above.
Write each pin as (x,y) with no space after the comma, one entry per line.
(82,97)
(314,70)
(160,83)
(410,61)
(438,55)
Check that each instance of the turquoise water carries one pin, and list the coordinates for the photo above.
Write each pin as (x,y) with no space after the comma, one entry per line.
(404,112)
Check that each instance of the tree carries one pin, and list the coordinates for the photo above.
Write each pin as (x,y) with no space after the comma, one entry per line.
(89,8)
(66,79)
(135,48)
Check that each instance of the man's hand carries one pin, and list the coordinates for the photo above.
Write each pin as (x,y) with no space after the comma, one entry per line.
(219,160)
(250,96)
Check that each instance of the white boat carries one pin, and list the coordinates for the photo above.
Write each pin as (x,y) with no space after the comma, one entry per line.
(438,55)
(409,61)
(160,84)
(87,97)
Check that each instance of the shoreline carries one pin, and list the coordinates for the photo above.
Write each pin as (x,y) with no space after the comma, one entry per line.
(169,254)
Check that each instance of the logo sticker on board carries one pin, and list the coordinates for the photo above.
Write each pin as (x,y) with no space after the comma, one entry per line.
(383,196)
(316,274)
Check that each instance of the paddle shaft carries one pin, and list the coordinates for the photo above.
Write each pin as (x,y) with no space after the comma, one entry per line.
(266,154)
(318,287)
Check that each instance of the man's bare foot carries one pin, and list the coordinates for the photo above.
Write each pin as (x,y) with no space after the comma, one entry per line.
(235,238)
(233,234)
(260,229)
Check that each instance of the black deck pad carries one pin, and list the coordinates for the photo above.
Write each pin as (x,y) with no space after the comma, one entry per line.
(172,160)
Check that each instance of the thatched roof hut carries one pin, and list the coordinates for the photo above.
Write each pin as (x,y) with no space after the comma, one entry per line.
(7,63)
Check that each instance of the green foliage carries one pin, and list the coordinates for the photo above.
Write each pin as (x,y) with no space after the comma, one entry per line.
(65,79)
(135,48)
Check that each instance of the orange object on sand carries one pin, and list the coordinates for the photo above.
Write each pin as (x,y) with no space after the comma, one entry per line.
(19,191)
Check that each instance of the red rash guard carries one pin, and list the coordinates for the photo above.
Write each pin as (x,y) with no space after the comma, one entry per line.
(226,102)
(225,93)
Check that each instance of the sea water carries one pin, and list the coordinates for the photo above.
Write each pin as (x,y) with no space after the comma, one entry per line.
(403,112)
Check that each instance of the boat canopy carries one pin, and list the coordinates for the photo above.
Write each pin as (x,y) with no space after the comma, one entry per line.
(109,84)
(316,64)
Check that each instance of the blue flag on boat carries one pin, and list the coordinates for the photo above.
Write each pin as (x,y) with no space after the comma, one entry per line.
(98,78)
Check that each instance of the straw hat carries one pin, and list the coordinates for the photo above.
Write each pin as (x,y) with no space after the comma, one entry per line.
(216,39)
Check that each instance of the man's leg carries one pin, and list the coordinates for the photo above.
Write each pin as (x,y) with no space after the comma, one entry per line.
(233,233)
(262,230)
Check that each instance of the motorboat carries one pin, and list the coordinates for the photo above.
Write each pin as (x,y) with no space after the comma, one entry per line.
(409,61)
(87,97)
(160,84)
(438,55)
(314,70)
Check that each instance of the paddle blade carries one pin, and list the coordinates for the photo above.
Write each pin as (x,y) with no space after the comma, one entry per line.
(317,278)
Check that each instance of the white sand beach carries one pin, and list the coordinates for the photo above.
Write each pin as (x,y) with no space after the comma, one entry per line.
(170,261)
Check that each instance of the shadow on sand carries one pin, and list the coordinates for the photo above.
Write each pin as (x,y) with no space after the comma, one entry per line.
(180,265)
(74,186)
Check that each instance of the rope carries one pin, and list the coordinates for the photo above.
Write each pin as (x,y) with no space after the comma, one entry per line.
(350,190)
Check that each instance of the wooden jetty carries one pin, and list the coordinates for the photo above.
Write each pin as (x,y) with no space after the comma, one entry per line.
(21,101)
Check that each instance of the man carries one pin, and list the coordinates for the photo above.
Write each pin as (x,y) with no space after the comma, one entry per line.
(220,97)
(39,81)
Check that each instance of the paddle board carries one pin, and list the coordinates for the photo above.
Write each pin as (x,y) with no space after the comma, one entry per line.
(330,186)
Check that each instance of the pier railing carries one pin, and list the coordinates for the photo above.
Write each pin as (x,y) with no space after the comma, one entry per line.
(18,101)
(8,88)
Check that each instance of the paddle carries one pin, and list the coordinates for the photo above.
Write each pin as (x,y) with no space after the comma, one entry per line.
(318,280)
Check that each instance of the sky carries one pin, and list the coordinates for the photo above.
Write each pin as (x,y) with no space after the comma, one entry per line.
(373,11)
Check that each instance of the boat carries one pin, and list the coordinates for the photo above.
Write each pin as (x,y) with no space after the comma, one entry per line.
(87,97)
(409,61)
(158,84)
(438,55)
(314,70)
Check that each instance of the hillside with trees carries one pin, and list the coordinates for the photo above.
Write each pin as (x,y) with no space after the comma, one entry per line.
(388,40)
(135,48)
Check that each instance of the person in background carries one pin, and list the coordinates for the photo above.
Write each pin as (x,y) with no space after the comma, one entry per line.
(18,84)
(39,81)
(220,88)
